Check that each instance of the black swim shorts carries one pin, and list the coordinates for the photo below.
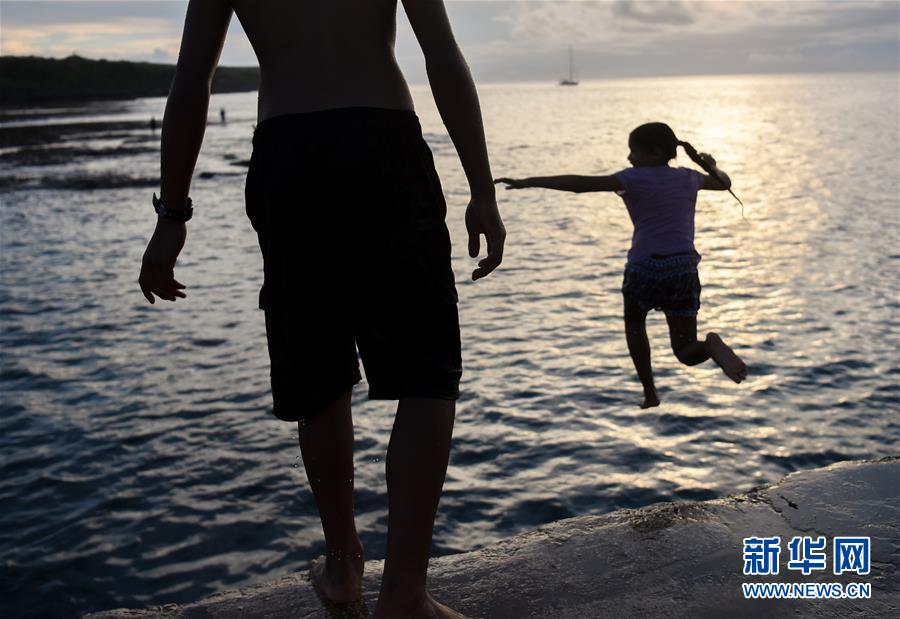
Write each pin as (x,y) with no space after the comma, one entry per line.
(349,213)
(669,283)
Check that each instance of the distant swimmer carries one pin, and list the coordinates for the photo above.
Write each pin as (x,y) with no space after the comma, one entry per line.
(661,271)
(222,115)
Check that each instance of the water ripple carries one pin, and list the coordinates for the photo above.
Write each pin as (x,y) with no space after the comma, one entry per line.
(141,464)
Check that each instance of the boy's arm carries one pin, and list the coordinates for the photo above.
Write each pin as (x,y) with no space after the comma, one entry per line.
(182,133)
(568,182)
(184,121)
(457,101)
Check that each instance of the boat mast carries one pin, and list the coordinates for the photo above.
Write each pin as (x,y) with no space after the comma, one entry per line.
(571,65)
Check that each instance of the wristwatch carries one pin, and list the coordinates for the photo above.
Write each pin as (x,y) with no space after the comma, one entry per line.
(178,214)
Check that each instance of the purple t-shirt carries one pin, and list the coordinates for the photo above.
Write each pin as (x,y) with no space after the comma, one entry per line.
(661,202)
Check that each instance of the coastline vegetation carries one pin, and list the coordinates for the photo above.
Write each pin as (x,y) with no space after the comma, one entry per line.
(27,79)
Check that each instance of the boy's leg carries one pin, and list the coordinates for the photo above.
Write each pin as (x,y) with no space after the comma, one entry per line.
(416,463)
(326,442)
(639,349)
(690,351)
(407,332)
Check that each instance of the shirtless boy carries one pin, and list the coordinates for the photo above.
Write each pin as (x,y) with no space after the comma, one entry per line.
(349,213)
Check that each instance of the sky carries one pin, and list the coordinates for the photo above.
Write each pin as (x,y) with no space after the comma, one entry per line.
(522,40)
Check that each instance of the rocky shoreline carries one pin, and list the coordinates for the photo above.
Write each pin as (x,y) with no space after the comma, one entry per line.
(681,559)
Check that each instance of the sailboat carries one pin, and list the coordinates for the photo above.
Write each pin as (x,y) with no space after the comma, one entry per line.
(570,81)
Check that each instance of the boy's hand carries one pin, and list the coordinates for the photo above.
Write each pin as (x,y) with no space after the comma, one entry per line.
(511,183)
(483,217)
(158,266)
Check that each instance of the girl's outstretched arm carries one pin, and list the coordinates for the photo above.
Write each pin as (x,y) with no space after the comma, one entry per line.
(568,182)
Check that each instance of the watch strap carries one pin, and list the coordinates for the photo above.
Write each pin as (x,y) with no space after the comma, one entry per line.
(177,214)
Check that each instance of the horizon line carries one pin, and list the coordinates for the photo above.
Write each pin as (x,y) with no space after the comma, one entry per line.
(535,80)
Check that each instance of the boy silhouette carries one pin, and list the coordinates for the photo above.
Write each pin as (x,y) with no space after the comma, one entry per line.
(349,213)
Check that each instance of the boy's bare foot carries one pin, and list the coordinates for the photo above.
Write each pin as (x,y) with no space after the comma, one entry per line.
(338,576)
(731,364)
(427,608)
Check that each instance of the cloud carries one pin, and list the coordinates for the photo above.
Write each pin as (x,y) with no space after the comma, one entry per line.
(615,22)
(135,30)
(113,39)
(161,55)
(647,37)
(527,39)
(653,12)
(767,59)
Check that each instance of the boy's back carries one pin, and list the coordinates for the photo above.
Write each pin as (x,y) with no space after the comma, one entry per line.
(322,55)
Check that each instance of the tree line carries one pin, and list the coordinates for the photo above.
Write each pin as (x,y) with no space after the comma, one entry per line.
(25,79)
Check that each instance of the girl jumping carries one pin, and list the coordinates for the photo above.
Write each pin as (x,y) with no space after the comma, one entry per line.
(661,272)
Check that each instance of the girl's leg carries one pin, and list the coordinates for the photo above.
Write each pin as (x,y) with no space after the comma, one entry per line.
(639,349)
(683,335)
(326,442)
(416,461)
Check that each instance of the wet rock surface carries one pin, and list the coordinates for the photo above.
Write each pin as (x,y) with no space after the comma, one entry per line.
(681,559)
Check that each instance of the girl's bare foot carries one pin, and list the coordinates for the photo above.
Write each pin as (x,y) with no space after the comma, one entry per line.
(650,402)
(338,576)
(651,399)
(425,608)
(731,364)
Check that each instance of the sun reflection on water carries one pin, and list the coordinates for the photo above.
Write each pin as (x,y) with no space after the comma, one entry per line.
(115,409)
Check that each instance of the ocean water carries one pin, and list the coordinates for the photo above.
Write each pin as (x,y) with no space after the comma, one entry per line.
(141,463)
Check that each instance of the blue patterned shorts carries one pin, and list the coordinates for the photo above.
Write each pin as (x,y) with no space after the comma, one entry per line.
(669,283)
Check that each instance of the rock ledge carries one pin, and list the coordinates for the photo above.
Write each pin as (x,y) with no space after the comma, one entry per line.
(680,559)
